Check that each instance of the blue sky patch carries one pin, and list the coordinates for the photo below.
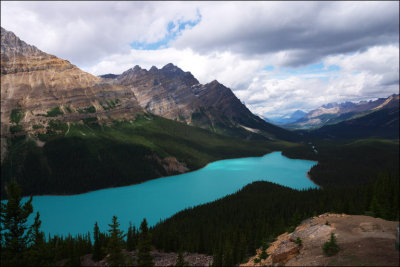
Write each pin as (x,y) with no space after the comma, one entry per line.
(315,71)
(312,69)
(269,68)
(174,29)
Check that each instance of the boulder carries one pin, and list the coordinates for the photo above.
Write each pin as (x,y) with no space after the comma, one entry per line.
(284,252)
(313,235)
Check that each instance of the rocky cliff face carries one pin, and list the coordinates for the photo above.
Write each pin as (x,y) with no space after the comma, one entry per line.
(165,92)
(175,94)
(33,83)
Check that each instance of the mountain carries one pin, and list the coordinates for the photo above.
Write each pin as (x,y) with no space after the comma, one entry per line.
(287,118)
(65,131)
(174,94)
(336,112)
(382,122)
(37,88)
(109,76)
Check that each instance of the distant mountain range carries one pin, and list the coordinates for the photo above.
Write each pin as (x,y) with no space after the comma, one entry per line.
(287,118)
(383,122)
(333,113)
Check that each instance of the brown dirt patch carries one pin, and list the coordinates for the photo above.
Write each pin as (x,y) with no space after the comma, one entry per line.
(363,241)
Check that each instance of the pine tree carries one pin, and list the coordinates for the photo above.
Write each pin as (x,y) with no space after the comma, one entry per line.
(97,250)
(16,233)
(131,238)
(144,246)
(227,258)
(38,252)
(115,244)
(181,260)
(217,258)
(331,247)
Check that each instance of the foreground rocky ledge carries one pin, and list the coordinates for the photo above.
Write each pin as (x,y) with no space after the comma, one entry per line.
(363,240)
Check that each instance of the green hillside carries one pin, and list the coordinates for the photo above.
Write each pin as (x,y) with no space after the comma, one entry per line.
(77,158)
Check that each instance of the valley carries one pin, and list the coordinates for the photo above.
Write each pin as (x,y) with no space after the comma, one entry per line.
(152,165)
(161,198)
(83,120)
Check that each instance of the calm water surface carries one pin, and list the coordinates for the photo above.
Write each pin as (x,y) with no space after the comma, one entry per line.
(161,198)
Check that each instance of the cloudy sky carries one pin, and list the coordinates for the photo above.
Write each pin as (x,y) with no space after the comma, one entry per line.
(277,57)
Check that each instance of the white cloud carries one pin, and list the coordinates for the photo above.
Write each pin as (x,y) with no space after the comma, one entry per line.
(300,32)
(230,69)
(85,32)
(232,42)
(363,75)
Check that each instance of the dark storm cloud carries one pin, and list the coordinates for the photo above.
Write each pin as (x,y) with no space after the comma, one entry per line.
(306,31)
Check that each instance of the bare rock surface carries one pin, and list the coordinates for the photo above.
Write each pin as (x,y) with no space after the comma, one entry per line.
(35,82)
(174,94)
(363,240)
(284,252)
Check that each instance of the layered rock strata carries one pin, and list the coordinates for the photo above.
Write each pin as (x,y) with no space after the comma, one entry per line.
(33,83)
(174,94)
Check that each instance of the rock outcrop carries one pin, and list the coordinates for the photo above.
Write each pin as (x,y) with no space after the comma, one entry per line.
(174,94)
(162,92)
(34,82)
(363,240)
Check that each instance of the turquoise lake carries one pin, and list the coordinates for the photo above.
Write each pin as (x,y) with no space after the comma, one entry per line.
(161,198)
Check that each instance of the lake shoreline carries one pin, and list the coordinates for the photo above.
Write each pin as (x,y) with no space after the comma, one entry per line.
(159,199)
(151,179)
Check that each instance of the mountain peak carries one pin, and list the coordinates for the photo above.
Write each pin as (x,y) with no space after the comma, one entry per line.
(133,71)
(12,46)
(214,83)
(169,66)
(153,69)
(136,68)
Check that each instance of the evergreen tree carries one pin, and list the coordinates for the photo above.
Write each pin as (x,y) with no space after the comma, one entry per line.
(375,207)
(144,246)
(217,258)
(16,232)
(131,238)
(331,247)
(227,258)
(97,249)
(38,252)
(115,244)
(181,260)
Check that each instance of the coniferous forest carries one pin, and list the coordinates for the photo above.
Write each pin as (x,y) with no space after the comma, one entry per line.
(231,228)
(109,95)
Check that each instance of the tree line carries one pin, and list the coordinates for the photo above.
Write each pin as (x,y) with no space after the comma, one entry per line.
(25,245)
(230,229)
(233,227)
